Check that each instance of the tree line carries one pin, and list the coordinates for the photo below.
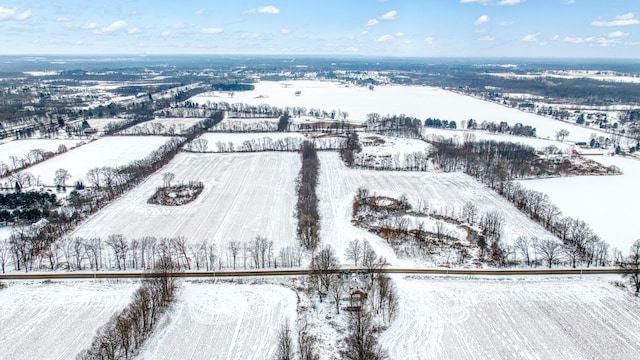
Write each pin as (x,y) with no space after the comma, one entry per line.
(308,229)
(29,248)
(32,157)
(125,333)
(265,143)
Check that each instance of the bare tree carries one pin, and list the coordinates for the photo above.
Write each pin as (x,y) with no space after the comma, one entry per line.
(562,134)
(361,343)
(119,246)
(60,177)
(167,178)
(200,145)
(93,175)
(285,349)
(354,251)
(307,343)
(234,250)
(522,246)
(549,249)
(337,290)
(469,212)
(4,253)
(631,266)
(323,264)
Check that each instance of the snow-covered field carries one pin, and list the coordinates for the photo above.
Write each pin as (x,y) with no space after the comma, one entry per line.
(245,195)
(456,318)
(338,185)
(606,203)
(377,145)
(222,321)
(56,320)
(99,124)
(108,151)
(416,101)
(20,148)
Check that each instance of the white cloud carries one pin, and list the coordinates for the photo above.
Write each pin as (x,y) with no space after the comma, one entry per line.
(269,9)
(617,34)
(384,38)
(505,23)
(365,32)
(620,20)
(285,31)
(579,40)
(486,38)
(90,26)
(408,41)
(113,27)
(12,14)
(569,2)
(373,22)
(428,40)
(483,2)
(530,37)
(133,31)
(213,30)
(391,15)
(168,33)
(199,12)
(482,19)
(252,36)
(399,34)
(352,49)
(555,38)
(179,25)
(510,2)
(63,19)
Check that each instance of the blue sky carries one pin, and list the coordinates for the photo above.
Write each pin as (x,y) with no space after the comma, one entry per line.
(424,28)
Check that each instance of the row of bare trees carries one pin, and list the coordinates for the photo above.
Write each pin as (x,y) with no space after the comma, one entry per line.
(308,230)
(30,158)
(579,244)
(126,331)
(30,250)
(266,143)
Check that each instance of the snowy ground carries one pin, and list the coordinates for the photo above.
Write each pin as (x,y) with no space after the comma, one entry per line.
(5,232)
(108,151)
(338,185)
(245,195)
(222,321)
(458,318)
(99,124)
(604,202)
(57,320)
(371,145)
(416,101)
(20,148)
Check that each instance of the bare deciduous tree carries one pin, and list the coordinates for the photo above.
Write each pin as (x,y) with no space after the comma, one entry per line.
(354,251)
(631,265)
(285,349)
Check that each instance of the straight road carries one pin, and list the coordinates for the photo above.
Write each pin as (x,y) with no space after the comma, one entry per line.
(299,272)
